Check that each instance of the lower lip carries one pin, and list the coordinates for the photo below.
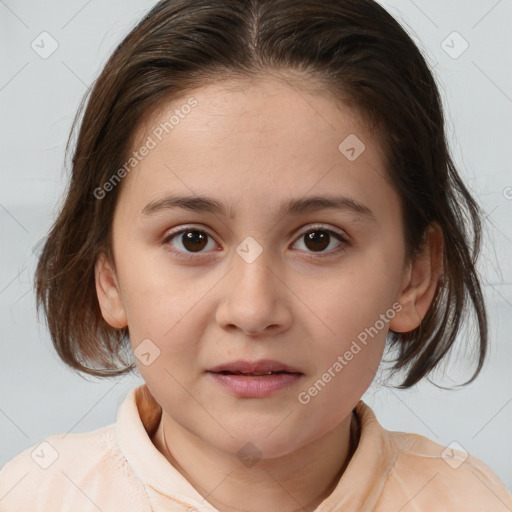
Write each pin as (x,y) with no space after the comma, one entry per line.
(256,387)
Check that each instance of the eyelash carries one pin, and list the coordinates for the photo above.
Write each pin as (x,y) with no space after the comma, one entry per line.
(318,227)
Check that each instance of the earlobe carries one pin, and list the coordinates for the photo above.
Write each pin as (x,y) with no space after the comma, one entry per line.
(109,294)
(420,281)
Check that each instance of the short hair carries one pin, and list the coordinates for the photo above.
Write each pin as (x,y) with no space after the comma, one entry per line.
(353,48)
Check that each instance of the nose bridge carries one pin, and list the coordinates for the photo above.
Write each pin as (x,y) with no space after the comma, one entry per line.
(251,299)
(252,266)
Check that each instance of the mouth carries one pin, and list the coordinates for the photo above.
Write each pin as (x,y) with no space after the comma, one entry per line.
(252,374)
(262,368)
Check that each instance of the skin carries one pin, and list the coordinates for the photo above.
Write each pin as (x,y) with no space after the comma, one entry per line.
(252,145)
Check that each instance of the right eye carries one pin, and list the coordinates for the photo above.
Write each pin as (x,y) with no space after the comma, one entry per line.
(188,241)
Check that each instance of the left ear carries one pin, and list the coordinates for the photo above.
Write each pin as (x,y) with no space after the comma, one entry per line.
(420,281)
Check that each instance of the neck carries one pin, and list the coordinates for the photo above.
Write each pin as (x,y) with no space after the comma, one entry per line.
(297,481)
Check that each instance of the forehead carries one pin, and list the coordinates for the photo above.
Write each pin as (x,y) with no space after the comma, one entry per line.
(260,105)
(260,140)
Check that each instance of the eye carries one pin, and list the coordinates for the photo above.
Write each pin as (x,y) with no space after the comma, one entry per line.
(318,238)
(189,240)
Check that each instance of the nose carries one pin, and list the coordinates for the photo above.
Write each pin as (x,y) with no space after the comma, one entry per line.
(254,298)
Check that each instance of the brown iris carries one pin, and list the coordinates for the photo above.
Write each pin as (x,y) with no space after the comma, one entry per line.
(194,240)
(317,240)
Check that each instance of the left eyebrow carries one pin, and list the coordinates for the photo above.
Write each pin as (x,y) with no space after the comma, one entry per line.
(205,204)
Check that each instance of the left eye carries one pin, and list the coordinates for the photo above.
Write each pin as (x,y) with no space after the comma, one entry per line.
(318,239)
(193,240)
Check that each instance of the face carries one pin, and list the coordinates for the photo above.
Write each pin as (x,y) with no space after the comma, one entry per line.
(314,288)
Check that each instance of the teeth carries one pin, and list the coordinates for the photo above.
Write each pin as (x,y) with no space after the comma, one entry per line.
(258,374)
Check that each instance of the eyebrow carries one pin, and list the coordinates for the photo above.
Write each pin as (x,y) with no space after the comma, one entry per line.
(205,204)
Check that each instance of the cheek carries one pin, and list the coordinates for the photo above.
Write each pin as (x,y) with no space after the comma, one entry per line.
(356,314)
(347,366)
(344,370)
(171,358)
(357,303)
(155,299)
(166,311)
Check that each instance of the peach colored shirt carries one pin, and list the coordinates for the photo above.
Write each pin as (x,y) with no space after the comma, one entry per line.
(117,468)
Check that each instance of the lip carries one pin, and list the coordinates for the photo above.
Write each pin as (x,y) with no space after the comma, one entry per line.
(261,366)
(247,386)
(252,386)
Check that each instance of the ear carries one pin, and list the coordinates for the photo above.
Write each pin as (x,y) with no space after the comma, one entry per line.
(420,281)
(109,294)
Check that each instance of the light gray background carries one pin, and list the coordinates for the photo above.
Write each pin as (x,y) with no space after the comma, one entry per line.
(38,98)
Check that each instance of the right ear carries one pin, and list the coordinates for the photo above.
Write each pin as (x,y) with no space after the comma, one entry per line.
(109,293)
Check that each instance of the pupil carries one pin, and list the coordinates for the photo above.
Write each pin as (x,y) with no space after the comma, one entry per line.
(194,240)
(319,240)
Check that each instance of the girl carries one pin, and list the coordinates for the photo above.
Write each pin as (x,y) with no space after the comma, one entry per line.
(262,196)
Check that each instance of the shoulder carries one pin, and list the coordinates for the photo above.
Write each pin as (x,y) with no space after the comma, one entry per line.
(426,475)
(68,470)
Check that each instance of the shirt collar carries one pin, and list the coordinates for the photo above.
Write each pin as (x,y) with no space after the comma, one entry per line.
(359,487)
(362,483)
(137,419)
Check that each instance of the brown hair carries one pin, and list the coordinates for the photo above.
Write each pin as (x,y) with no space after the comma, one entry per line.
(357,51)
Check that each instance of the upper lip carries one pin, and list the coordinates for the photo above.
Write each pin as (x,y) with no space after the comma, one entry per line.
(262,366)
